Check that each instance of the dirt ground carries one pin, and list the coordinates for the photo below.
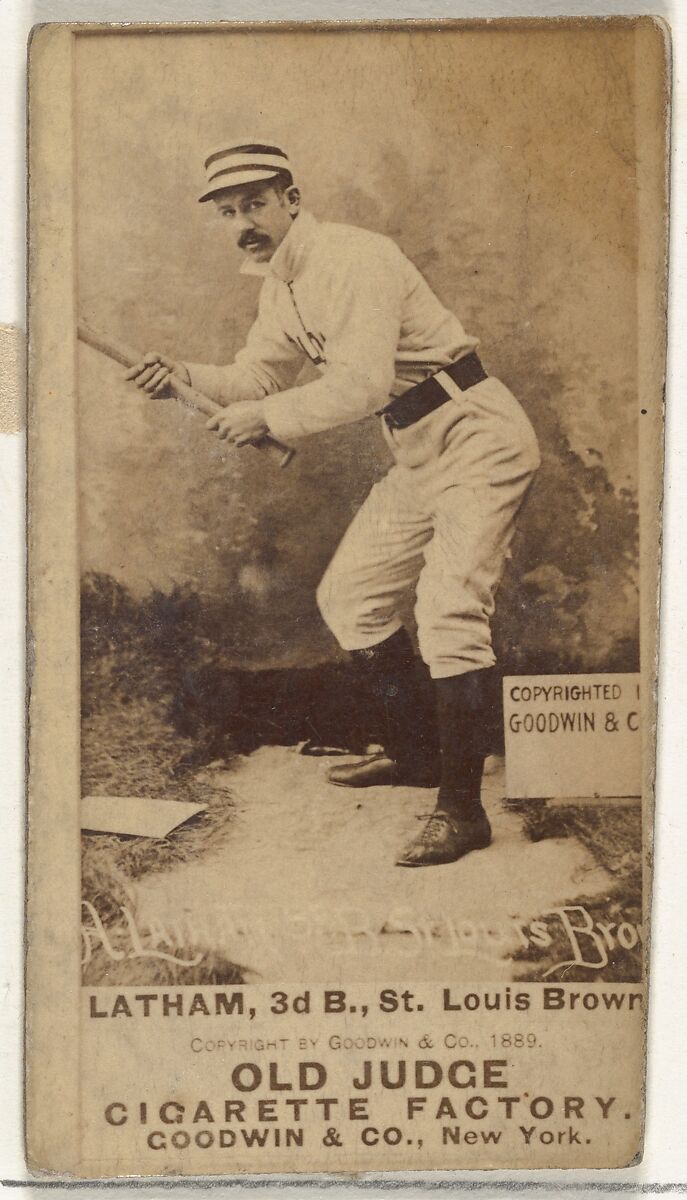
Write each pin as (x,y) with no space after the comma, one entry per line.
(305,885)
(286,876)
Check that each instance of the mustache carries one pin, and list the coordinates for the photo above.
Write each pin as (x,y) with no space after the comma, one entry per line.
(250,238)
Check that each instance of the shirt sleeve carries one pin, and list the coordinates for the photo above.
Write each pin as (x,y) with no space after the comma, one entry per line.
(269,362)
(362,339)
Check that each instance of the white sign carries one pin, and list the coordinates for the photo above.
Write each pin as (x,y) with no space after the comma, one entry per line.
(572,736)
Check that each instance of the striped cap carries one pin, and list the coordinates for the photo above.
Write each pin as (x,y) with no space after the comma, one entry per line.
(242,162)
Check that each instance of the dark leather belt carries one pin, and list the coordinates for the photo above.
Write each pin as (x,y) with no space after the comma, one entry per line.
(421,400)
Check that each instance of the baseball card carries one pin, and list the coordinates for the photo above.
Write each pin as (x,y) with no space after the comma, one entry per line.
(346,368)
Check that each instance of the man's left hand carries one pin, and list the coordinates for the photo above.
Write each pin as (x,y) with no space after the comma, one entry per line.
(240,423)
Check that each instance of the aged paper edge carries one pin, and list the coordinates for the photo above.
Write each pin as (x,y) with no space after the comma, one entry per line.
(653,101)
(12,374)
(52,977)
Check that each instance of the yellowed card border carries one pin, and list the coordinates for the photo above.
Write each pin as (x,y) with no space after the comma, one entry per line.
(53,893)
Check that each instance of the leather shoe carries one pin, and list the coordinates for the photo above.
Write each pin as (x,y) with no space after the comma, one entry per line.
(378,770)
(445,839)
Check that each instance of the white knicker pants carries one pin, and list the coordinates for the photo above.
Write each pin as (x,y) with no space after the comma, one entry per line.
(442,521)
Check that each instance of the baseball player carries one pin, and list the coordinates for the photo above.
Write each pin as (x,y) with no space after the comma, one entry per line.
(440,521)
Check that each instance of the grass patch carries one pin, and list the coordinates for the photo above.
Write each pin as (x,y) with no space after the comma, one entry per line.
(613,837)
(129,749)
(212,970)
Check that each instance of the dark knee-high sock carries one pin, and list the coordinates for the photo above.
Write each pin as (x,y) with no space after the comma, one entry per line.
(397,685)
(464,706)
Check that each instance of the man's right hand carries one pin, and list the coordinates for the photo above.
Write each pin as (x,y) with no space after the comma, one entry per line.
(152,374)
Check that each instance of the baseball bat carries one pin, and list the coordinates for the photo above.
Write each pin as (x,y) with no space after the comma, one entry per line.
(128,357)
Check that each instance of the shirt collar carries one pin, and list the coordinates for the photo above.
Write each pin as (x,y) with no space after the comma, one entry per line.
(289,257)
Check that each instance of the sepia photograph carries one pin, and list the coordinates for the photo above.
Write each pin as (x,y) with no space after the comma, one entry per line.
(367,353)
(411,307)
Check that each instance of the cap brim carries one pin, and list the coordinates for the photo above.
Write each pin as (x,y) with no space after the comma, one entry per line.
(235,179)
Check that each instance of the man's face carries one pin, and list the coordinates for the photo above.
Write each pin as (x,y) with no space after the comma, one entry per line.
(258,216)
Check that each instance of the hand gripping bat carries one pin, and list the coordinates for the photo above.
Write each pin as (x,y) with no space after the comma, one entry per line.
(128,357)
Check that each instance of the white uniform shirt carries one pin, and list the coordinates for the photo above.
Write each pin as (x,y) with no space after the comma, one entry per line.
(357,307)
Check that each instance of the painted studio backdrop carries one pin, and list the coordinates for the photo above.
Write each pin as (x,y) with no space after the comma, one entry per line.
(507,177)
